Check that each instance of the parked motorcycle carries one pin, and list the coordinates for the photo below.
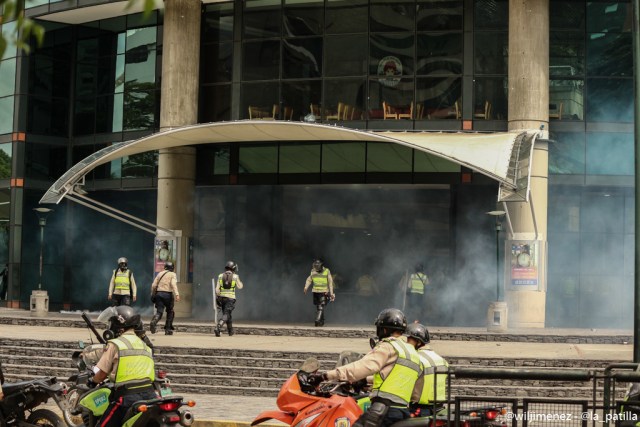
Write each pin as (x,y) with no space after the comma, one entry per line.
(18,408)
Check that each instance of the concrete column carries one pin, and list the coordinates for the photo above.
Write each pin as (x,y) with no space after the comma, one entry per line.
(179,107)
(529,109)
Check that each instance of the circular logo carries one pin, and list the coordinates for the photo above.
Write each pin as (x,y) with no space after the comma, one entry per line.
(390,69)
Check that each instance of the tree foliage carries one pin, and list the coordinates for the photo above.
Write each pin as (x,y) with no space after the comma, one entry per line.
(24,30)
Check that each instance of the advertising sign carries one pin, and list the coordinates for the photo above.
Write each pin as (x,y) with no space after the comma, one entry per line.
(524,263)
(165,250)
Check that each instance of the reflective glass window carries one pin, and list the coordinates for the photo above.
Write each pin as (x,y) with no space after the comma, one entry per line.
(425,162)
(302,58)
(6,114)
(6,153)
(48,116)
(297,97)
(44,161)
(142,165)
(115,25)
(439,15)
(564,14)
(490,98)
(610,100)
(609,154)
(215,103)
(609,54)
(105,76)
(118,105)
(84,116)
(566,54)
(140,59)
(491,53)
(8,77)
(566,98)
(8,30)
(346,95)
(221,160)
(438,97)
(33,3)
(343,157)
(260,101)
(217,62)
(303,17)
(104,112)
(258,159)
(85,80)
(608,17)
(396,93)
(439,53)
(567,153)
(346,55)
(140,20)
(392,16)
(217,22)
(262,18)
(388,157)
(87,50)
(119,75)
(299,158)
(261,60)
(139,110)
(346,16)
(491,14)
(392,54)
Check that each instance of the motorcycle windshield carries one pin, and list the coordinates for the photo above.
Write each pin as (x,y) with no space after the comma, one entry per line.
(107,314)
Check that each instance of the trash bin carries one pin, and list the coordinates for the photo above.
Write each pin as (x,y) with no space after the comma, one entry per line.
(39,303)
(497,317)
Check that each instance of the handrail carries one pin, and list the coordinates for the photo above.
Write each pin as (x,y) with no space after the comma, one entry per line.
(525,374)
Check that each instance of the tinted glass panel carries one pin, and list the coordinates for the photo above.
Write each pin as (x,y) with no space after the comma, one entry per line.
(343,157)
(491,14)
(303,17)
(259,100)
(608,17)
(491,51)
(610,100)
(217,22)
(439,54)
(6,152)
(397,94)
(439,15)
(567,153)
(349,93)
(383,157)
(392,16)
(609,154)
(215,103)
(300,158)
(142,165)
(566,54)
(261,18)
(104,111)
(221,160)
(48,116)
(297,97)
(8,77)
(566,15)
(139,110)
(84,116)
(609,54)
(258,159)
(392,54)
(217,62)
(346,55)
(45,161)
(346,16)
(6,114)
(568,94)
(261,60)
(493,91)
(424,162)
(302,58)
(118,105)
(438,96)
(8,30)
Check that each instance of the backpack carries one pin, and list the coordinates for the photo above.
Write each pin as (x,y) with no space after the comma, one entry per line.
(227,278)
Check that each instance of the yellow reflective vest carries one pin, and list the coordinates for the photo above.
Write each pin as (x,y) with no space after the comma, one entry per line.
(398,385)
(135,360)
(435,370)
(418,282)
(122,281)
(228,293)
(320,280)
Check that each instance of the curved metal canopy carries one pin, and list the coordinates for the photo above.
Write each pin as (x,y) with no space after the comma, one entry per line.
(504,157)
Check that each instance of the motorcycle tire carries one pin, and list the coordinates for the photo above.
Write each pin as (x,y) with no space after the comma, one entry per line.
(45,417)
(72,396)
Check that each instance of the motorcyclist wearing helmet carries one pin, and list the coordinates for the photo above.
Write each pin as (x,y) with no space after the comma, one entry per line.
(225,296)
(435,368)
(395,366)
(122,287)
(321,284)
(128,361)
(164,293)
(416,285)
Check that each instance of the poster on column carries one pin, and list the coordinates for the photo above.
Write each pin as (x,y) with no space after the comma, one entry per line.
(524,268)
(165,250)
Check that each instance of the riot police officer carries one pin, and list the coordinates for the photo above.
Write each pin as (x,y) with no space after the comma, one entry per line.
(164,294)
(321,284)
(225,296)
(122,287)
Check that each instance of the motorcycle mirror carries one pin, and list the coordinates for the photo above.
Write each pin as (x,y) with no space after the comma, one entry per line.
(373,342)
(81,344)
(311,364)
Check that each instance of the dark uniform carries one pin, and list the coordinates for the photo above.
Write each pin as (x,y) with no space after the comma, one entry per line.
(225,296)
(122,287)
(321,284)
(164,294)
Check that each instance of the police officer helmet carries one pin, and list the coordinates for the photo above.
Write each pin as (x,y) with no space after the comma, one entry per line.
(418,332)
(419,267)
(318,264)
(168,266)
(230,265)
(390,319)
(122,260)
(123,318)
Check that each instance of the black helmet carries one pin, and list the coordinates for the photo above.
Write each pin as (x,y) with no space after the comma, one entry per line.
(122,260)
(168,266)
(390,319)
(419,268)
(418,332)
(119,319)
(318,263)
(230,265)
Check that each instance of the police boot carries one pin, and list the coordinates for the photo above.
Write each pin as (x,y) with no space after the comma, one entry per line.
(154,322)
(216,330)
(319,317)
(230,328)
(168,326)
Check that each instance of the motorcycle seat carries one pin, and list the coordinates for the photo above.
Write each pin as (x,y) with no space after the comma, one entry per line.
(10,388)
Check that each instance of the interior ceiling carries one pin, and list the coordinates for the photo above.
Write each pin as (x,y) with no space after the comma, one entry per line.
(488,153)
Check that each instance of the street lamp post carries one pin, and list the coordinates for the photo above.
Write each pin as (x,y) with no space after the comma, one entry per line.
(39,298)
(497,314)
(498,229)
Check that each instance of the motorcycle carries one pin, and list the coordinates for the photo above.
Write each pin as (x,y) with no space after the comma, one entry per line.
(18,408)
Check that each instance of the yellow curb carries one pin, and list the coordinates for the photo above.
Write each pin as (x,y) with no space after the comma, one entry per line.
(229,423)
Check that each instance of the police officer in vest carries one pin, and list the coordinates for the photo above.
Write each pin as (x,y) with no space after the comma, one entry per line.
(128,362)
(321,284)
(122,286)
(164,294)
(395,366)
(225,296)
(435,369)
(416,287)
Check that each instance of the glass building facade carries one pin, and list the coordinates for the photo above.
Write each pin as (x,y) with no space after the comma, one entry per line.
(431,65)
